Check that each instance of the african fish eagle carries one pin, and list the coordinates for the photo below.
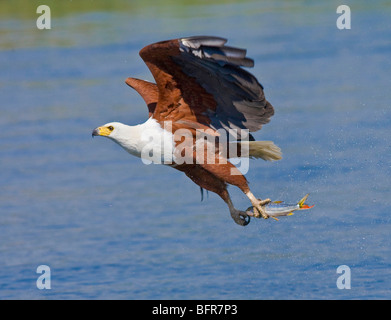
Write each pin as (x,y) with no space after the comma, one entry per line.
(200,87)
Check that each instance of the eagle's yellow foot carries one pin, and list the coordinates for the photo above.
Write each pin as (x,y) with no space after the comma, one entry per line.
(259,210)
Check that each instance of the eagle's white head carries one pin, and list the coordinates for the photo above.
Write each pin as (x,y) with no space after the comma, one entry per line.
(141,140)
(112,130)
(127,137)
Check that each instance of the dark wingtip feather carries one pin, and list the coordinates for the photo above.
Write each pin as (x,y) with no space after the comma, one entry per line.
(239,97)
(198,41)
(213,48)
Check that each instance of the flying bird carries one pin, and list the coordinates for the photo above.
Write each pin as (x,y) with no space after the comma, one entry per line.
(202,110)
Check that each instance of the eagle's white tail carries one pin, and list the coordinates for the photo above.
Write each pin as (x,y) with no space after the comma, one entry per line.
(265,150)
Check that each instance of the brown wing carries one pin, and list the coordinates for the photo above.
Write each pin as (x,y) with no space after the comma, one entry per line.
(147,90)
(201,80)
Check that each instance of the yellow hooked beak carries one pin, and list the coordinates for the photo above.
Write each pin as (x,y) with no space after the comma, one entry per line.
(102,131)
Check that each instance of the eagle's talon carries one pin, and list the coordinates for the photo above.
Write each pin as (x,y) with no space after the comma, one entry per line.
(264,202)
(240,217)
(261,213)
(259,210)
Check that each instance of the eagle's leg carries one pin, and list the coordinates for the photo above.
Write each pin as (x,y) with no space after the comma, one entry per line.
(231,175)
(228,173)
(258,205)
(211,182)
(240,217)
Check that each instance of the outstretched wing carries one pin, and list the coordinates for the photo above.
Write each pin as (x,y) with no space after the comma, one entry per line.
(201,80)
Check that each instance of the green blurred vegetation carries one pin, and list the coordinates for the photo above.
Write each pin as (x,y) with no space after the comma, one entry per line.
(26,9)
(96,22)
(75,22)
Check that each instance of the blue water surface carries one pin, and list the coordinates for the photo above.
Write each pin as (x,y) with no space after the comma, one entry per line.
(110,227)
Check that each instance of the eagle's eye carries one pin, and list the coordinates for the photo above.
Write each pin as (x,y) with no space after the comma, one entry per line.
(111,128)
